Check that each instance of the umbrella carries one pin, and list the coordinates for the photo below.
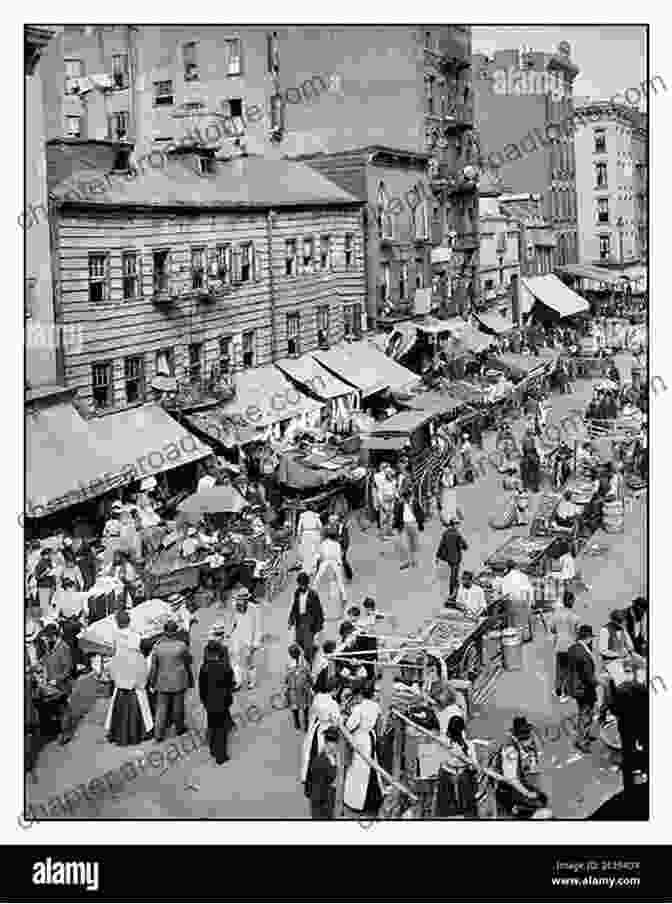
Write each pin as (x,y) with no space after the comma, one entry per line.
(217,499)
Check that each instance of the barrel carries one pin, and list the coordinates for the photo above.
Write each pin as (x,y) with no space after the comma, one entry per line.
(512,649)
(492,645)
(612,517)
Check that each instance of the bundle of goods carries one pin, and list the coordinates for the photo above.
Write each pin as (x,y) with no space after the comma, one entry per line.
(148,620)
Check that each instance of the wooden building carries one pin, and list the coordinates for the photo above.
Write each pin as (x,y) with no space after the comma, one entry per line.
(195,271)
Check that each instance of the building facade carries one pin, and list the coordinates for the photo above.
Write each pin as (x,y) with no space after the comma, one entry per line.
(612,184)
(178,276)
(524,104)
(42,342)
(287,91)
(499,257)
(395,188)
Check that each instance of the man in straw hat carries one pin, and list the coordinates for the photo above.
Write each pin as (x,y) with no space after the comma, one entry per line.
(245,637)
(582,684)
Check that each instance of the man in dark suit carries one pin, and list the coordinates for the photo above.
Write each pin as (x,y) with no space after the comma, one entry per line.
(170,676)
(582,684)
(306,616)
(450,550)
(323,773)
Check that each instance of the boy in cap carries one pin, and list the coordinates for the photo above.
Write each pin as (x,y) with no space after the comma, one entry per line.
(518,761)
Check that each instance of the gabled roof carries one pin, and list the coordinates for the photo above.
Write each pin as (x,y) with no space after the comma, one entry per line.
(246,182)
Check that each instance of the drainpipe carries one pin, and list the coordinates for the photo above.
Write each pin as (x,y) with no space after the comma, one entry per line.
(271,282)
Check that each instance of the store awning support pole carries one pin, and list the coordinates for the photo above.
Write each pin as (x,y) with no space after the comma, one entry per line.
(373,765)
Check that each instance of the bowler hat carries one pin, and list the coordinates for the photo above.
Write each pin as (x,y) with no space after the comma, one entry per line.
(331,734)
(585,631)
(170,627)
(521,727)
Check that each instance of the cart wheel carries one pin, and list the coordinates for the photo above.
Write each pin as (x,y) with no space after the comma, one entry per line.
(471,662)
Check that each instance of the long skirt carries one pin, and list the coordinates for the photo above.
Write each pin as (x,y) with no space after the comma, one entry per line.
(362,787)
(309,550)
(129,720)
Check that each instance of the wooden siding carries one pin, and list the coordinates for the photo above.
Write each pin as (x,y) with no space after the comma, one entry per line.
(116,328)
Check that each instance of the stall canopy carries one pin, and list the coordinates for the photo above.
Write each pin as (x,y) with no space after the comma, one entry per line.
(147,440)
(493,322)
(264,396)
(230,432)
(366,368)
(404,423)
(309,373)
(596,274)
(554,294)
(474,340)
(522,366)
(436,403)
(65,462)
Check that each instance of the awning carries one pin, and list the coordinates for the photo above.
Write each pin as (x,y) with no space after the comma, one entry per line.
(595,274)
(404,422)
(495,323)
(474,340)
(553,293)
(437,403)
(523,365)
(385,443)
(214,424)
(310,374)
(265,397)
(65,462)
(147,441)
(365,367)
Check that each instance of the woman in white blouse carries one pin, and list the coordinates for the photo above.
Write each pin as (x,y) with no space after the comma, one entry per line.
(363,792)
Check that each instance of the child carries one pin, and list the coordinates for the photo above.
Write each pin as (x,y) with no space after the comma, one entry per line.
(297,686)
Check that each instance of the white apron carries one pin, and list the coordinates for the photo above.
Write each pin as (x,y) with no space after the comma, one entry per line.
(324,712)
(144,709)
(361,723)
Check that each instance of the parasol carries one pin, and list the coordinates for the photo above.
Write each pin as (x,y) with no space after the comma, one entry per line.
(225,500)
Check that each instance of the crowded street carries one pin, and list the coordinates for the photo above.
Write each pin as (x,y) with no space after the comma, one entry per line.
(262,778)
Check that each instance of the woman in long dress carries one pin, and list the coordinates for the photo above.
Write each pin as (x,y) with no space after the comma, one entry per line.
(129,720)
(324,712)
(363,793)
(331,565)
(310,536)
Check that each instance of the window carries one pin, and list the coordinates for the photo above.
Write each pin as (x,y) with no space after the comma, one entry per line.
(189,60)
(489,285)
(308,255)
(232,56)
(419,273)
(74,70)
(248,349)
(429,94)
(198,263)
(325,252)
(601,175)
(120,70)
(384,217)
(246,262)
(225,358)
(290,257)
(385,282)
(129,274)
(322,315)
(352,321)
(165,366)
(101,381)
(134,378)
(118,126)
(293,334)
(349,250)
(604,247)
(603,210)
(420,218)
(195,361)
(403,281)
(73,126)
(98,277)
(163,94)
(223,263)
(600,141)
(161,271)
(207,166)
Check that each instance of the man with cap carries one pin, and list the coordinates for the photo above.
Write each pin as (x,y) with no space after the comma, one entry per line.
(582,684)
(450,551)
(45,579)
(518,761)
(170,676)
